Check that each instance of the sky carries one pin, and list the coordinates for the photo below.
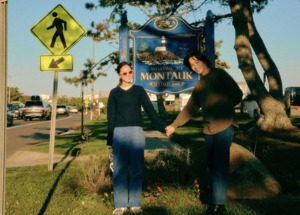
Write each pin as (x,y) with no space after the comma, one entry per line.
(278,25)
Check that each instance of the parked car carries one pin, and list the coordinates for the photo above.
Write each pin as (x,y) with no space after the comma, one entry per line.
(62,109)
(15,110)
(36,108)
(10,117)
(292,101)
(250,107)
(73,109)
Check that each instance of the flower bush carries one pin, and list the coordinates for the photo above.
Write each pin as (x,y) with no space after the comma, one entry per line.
(156,192)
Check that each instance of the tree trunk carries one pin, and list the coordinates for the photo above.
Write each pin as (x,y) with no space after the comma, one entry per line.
(273,113)
(274,116)
(267,63)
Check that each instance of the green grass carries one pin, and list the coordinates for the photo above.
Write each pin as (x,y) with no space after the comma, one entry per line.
(84,186)
(72,144)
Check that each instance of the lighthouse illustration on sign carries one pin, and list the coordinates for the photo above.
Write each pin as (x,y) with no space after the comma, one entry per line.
(163,45)
(160,55)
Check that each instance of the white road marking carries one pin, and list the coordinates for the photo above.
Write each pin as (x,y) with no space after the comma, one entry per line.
(36,123)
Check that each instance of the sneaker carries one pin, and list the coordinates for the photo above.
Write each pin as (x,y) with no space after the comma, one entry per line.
(216,210)
(111,163)
(119,211)
(136,209)
(111,166)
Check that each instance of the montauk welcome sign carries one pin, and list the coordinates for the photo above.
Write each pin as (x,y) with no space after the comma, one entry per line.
(159,48)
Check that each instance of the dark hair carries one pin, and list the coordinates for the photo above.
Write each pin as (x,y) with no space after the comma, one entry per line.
(197,54)
(120,65)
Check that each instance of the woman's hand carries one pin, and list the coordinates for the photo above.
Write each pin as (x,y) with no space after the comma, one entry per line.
(169,130)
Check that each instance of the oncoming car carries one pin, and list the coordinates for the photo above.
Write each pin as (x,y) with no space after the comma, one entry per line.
(10,116)
(15,109)
(73,109)
(62,109)
(36,108)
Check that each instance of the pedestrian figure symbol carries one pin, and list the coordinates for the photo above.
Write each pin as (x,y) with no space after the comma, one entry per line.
(60,26)
(52,31)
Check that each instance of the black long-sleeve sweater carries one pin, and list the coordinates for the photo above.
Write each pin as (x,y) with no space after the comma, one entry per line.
(217,94)
(124,109)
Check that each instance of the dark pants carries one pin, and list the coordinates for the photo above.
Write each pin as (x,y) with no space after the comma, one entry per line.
(218,155)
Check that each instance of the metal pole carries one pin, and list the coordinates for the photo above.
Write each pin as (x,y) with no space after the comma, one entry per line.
(53,122)
(82,103)
(3,106)
(9,88)
(92,85)
(123,39)
(210,38)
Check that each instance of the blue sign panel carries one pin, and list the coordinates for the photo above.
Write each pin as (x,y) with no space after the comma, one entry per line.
(159,52)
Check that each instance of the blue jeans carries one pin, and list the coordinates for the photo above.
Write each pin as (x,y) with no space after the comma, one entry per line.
(218,155)
(128,157)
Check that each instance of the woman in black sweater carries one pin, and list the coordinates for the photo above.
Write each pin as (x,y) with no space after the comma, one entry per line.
(216,93)
(126,135)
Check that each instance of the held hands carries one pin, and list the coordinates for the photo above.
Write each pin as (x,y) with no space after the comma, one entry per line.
(169,130)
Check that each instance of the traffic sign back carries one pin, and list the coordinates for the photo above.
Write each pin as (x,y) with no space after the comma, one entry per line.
(58,31)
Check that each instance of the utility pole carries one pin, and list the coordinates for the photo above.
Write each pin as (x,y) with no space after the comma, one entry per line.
(92,85)
(9,85)
(95,39)
(3,98)
(82,102)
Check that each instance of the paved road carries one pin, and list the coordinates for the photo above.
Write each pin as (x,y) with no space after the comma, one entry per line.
(25,133)
(22,134)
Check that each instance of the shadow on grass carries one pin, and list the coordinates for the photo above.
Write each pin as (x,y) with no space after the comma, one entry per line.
(52,190)
(275,206)
(156,143)
(99,130)
(154,210)
(279,152)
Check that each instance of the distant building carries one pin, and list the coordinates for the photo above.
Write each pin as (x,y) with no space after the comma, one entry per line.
(103,94)
(183,99)
(170,99)
(45,97)
(100,95)
(152,97)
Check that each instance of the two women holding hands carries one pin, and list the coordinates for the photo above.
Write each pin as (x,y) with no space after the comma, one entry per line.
(216,94)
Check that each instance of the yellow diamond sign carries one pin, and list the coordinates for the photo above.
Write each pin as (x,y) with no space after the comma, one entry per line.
(58,30)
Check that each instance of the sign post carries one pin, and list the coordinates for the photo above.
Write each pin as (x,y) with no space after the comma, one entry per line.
(53,122)
(3,84)
(58,31)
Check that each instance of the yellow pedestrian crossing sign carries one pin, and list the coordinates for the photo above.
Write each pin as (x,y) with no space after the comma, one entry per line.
(58,30)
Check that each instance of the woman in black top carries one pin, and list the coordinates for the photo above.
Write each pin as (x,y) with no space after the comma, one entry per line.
(216,93)
(126,135)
